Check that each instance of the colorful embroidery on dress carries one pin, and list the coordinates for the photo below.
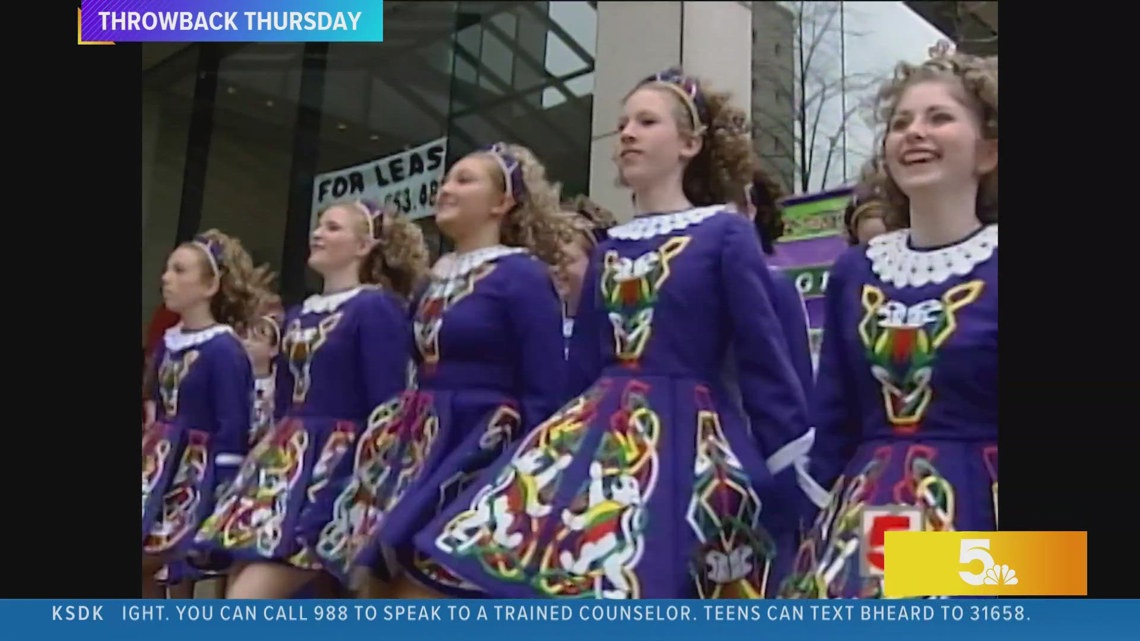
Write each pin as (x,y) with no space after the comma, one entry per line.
(630,288)
(171,373)
(836,537)
(156,452)
(735,552)
(502,525)
(299,347)
(251,513)
(852,545)
(338,444)
(502,429)
(181,501)
(902,344)
(390,456)
(595,552)
(441,295)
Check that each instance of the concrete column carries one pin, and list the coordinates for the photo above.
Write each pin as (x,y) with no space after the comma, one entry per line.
(717,47)
(710,40)
(635,39)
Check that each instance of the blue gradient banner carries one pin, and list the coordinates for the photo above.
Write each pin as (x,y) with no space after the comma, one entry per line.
(232,20)
(474,620)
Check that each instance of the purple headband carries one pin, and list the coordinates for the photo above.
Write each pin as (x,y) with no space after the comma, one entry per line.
(372,211)
(688,90)
(213,251)
(512,169)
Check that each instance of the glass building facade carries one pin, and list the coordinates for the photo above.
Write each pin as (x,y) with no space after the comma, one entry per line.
(234,134)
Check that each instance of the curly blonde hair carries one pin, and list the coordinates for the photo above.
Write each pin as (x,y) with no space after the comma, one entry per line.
(399,257)
(722,170)
(976,78)
(242,288)
(536,222)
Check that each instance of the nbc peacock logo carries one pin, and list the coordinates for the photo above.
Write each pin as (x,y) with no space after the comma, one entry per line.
(1000,575)
(975,551)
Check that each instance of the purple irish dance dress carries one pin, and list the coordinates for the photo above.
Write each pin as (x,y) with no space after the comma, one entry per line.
(789,306)
(490,366)
(906,405)
(341,355)
(653,482)
(204,390)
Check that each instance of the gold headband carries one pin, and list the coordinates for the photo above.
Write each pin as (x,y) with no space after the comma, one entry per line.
(686,100)
(863,209)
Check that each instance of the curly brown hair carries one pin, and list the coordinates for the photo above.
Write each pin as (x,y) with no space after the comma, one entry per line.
(722,169)
(536,222)
(588,220)
(242,288)
(398,260)
(765,194)
(975,80)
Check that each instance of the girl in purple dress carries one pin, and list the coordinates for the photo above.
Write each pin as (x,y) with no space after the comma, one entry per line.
(906,401)
(864,218)
(764,210)
(203,386)
(589,223)
(654,482)
(343,353)
(489,356)
(262,341)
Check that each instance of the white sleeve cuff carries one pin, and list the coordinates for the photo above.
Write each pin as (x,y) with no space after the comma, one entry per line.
(796,454)
(228,460)
(819,496)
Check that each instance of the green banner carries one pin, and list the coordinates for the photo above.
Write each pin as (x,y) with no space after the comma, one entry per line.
(814,216)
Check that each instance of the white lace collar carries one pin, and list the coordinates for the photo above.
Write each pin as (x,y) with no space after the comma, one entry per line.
(264,383)
(326,303)
(466,263)
(661,224)
(897,264)
(177,340)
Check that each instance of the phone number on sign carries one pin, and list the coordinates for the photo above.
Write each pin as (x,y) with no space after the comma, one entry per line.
(412,198)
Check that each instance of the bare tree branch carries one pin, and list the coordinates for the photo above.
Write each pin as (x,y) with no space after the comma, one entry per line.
(809,127)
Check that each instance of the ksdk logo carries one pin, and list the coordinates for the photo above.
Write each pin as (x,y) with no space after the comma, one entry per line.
(76,613)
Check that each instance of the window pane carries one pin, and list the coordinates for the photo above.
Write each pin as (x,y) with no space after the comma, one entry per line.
(246,191)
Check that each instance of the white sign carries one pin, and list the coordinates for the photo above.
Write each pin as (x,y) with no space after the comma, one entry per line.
(407,180)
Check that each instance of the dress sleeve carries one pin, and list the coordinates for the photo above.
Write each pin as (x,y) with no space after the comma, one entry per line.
(834,408)
(535,313)
(283,376)
(384,343)
(151,397)
(770,390)
(584,357)
(793,318)
(232,389)
(150,376)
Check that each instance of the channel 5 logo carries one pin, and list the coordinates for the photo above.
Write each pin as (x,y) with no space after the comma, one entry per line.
(985,564)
